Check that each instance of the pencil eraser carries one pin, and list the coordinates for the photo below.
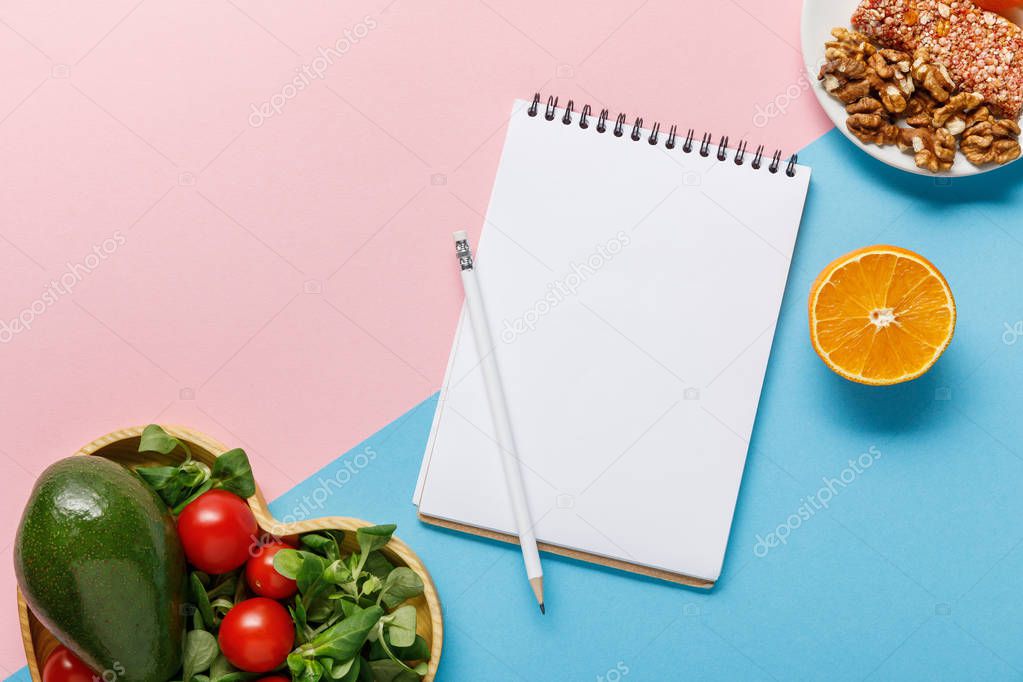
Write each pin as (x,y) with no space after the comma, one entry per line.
(460,235)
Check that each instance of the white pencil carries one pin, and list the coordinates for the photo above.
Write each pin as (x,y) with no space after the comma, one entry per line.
(499,414)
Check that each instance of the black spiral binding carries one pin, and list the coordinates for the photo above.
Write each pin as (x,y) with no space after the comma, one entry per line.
(704,149)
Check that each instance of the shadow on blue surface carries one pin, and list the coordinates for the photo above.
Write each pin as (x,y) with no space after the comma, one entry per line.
(999,187)
(890,410)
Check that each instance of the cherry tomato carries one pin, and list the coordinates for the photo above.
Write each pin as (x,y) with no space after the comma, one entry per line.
(257,635)
(64,666)
(263,578)
(216,530)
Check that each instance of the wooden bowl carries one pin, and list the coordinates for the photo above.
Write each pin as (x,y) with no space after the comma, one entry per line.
(122,447)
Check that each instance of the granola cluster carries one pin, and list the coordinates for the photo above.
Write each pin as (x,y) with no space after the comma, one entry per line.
(883,87)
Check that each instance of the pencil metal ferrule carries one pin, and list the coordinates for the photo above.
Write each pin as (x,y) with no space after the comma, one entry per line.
(464,254)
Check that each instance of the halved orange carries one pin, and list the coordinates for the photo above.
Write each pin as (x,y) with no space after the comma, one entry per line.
(881,315)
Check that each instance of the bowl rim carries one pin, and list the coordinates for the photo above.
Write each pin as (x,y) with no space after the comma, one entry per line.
(268,523)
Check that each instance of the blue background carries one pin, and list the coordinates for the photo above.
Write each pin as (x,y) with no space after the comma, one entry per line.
(911,572)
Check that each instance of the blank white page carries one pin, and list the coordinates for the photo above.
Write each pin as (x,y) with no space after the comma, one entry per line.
(632,292)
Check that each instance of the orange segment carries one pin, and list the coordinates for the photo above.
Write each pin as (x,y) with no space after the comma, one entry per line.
(881,315)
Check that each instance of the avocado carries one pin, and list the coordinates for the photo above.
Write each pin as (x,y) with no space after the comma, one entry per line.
(99,562)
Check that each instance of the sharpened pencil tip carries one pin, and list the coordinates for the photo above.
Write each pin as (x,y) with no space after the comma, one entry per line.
(537,585)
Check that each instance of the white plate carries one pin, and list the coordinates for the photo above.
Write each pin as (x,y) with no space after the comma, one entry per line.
(819,17)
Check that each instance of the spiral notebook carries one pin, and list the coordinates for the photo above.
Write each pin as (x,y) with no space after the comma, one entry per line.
(632,277)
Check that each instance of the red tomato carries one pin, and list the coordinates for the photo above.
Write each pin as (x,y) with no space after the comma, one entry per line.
(217,530)
(263,578)
(257,635)
(64,666)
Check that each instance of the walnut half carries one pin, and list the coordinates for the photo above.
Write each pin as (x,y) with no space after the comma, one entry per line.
(932,76)
(848,44)
(934,150)
(890,77)
(873,128)
(952,117)
(846,79)
(920,109)
(991,141)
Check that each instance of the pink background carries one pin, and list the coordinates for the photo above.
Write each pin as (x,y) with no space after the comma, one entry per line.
(288,287)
